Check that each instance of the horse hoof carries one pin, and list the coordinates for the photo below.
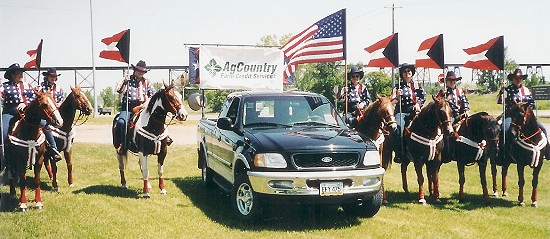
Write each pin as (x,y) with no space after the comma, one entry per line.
(71,185)
(385,202)
(504,194)
(124,186)
(422,201)
(146,195)
(23,207)
(56,189)
(495,195)
(535,204)
(163,191)
(521,204)
(39,205)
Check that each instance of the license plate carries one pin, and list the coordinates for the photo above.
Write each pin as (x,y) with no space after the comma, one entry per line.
(331,188)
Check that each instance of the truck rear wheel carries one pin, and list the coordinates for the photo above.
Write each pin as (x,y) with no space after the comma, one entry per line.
(244,200)
(368,207)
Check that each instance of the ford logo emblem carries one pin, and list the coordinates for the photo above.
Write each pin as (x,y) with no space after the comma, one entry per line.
(326,159)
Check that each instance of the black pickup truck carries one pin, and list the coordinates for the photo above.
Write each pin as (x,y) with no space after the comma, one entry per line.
(104,111)
(287,147)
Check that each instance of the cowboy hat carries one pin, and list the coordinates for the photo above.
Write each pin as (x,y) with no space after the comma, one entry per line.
(452,76)
(406,66)
(13,68)
(355,70)
(141,66)
(51,71)
(517,74)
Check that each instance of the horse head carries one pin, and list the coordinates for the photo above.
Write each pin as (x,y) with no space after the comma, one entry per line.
(81,101)
(173,102)
(45,108)
(524,120)
(443,114)
(386,112)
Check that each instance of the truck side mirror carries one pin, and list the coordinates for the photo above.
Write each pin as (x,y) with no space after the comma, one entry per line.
(225,123)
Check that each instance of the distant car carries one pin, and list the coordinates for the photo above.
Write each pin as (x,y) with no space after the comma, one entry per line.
(287,147)
(104,111)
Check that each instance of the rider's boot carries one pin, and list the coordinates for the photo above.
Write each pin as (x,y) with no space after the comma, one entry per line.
(54,152)
(169,140)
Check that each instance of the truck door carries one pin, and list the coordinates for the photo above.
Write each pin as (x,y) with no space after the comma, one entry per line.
(224,143)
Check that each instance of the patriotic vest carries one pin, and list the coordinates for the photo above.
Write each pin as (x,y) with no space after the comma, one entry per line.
(57,92)
(15,93)
(138,91)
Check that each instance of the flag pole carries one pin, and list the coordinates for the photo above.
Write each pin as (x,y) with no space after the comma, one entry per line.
(93,61)
(346,92)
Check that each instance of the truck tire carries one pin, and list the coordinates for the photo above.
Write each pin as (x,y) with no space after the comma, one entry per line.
(244,200)
(206,172)
(366,208)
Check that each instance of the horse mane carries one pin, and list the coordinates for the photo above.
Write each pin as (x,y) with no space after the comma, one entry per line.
(153,100)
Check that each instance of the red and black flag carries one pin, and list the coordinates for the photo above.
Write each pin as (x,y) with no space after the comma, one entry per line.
(431,53)
(384,53)
(36,56)
(488,56)
(118,47)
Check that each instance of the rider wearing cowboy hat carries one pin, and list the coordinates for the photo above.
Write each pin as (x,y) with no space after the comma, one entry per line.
(516,93)
(457,99)
(357,93)
(135,90)
(49,84)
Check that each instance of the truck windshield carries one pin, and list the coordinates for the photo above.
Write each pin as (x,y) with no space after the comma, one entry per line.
(290,110)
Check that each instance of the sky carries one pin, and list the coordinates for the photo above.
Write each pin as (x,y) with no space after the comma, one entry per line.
(161,29)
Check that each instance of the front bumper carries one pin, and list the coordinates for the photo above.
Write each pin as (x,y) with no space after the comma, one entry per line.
(356,182)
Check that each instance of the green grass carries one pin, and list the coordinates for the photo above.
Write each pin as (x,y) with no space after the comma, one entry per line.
(98,208)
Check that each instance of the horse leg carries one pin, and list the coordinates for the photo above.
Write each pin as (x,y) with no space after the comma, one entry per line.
(37,191)
(12,180)
(494,178)
(69,162)
(504,174)
(160,169)
(535,183)
(144,173)
(122,161)
(482,176)
(23,189)
(55,184)
(404,176)
(461,181)
(521,183)
(420,178)
(433,173)
(48,167)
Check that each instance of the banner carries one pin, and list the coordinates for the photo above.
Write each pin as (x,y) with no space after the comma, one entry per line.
(227,68)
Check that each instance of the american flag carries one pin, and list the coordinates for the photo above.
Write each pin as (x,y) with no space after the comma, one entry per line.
(323,41)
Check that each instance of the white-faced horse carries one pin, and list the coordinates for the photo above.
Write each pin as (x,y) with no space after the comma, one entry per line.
(147,134)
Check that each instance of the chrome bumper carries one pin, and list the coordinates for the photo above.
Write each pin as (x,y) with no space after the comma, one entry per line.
(363,181)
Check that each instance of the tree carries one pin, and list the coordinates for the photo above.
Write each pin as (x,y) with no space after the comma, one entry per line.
(380,84)
(274,40)
(320,78)
(108,97)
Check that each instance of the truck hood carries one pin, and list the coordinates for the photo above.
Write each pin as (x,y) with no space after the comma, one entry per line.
(304,138)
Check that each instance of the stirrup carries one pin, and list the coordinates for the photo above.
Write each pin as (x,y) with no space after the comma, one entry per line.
(55,154)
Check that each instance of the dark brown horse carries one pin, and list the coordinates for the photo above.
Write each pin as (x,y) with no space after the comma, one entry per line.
(374,122)
(526,148)
(64,135)
(424,143)
(149,135)
(25,147)
(476,141)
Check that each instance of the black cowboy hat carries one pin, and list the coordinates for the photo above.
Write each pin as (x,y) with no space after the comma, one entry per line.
(452,76)
(13,68)
(517,74)
(51,71)
(406,66)
(355,70)
(141,66)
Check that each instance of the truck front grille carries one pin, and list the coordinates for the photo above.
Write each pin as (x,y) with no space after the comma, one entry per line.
(325,160)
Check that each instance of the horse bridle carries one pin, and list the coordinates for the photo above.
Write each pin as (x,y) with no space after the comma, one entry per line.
(525,138)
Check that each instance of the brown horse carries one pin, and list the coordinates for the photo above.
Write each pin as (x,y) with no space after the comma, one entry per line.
(149,135)
(64,135)
(424,143)
(25,147)
(526,148)
(476,141)
(374,122)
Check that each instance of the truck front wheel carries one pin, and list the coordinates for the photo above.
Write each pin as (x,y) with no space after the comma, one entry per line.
(368,207)
(244,200)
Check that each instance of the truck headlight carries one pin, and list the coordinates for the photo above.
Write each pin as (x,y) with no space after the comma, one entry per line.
(270,160)
(372,158)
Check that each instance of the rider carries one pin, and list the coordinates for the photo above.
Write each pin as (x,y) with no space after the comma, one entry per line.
(135,90)
(516,93)
(408,97)
(358,95)
(15,95)
(460,108)
(49,83)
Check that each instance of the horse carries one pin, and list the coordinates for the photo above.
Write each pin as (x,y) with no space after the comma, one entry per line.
(373,123)
(25,145)
(424,143)
(148,135)
(64,135)
(525,148)
(476,141)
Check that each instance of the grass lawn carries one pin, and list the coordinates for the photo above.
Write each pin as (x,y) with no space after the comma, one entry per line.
(98,208)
